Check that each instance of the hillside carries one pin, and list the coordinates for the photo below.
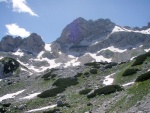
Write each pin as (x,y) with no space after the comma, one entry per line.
(97,87)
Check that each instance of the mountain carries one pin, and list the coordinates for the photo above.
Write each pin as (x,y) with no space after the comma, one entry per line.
(96,87)
(93,67)
(80,42)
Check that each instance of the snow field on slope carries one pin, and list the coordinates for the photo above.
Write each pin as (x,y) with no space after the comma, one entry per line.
(11,95)
(109,79)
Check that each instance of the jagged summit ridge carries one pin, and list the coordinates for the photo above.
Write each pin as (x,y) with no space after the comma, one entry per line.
(80,28)
(32,43)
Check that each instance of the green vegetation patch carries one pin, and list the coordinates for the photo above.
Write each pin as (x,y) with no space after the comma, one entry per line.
(10,64)
(49,75)
(86,73)
(93,71)
(105,90)
(51,92)
(93,64)
(78,75)
(85,91)
(61,85)
(65,82)
(143,77)
(140,59)
(138,91)
(130,72)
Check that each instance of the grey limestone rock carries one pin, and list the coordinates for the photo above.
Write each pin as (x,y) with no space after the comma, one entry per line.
(33,43)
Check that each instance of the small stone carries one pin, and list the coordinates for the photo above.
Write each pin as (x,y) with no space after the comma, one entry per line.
(59,103)
(21,107)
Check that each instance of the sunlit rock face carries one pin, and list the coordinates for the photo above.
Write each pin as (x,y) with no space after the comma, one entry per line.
(80,28)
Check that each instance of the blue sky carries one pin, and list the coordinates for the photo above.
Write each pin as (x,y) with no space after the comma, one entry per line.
(48,17)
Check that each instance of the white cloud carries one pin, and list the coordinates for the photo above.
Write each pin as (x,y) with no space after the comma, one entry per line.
(14,29)
(21,6)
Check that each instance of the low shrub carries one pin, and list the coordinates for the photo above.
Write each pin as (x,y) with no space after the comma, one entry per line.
(65,82)
(130,72)
(93,71)
(141,58)
(143,77)
(86,73)
(108,89)
(91,64)
(78,75)
(61,85)
(49,75)
(84,91)
(105,90)
(51,92)
(110,65)
(2,110)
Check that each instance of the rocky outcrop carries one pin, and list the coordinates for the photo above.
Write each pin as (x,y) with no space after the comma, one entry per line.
(33,43)
(9,44)
(122,40)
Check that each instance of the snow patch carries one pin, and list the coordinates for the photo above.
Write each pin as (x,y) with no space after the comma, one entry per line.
(120,29)
(23,63)
(108,79)
(71,56)
(26,71)
(98,58)
(11,95)
(113,49)
(147,50)
(18,53)
(31,96)
(1,58)
(73,62)
(40,54)
(127,84)
(117,29)
(133,58)
(40,109)
(0,79)
(48,47)
(52,64)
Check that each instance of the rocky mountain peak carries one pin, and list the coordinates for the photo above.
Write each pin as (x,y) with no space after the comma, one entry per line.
(80,28)
(8,43)
(32,44)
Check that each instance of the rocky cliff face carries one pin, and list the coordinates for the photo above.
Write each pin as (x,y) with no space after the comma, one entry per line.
(32,44)
(80,28)
(8,43)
